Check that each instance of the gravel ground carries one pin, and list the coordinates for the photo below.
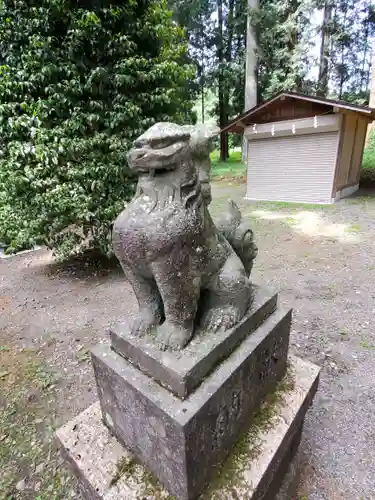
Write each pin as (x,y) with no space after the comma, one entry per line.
(321,259)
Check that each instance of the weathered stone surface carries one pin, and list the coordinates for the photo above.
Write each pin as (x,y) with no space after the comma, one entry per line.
(254,470)
(185,272)
(182,371)
(182,441)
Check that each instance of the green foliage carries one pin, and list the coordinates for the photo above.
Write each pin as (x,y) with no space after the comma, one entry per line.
(233,167)
(77,85)
(284,39)
(196,18)
(352,29)
(234,157)
(368,164)
(369,154)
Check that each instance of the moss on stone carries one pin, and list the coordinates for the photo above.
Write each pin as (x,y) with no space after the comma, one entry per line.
(126,466)
(129,468)
(154,488)
(229,476)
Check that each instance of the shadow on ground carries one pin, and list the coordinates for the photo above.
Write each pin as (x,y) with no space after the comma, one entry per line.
(89,265)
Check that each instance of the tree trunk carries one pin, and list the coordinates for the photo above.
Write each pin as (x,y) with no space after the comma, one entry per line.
(342,65)
(230,30)
(202,99)
(251,88)
(222,111)
(251,85)
(228,60)
(366,34)
(372,93)
(325,51)
(202,69)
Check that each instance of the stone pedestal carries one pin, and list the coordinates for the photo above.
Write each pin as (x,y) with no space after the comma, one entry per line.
(263,464)
(180,414)
(221,381)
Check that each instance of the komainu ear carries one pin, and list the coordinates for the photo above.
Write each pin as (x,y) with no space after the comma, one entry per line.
(201,138)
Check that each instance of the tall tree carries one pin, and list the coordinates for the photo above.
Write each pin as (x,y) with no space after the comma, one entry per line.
(283,45)
(251,74)
(196,18)
(367,30)
(344,37)
(278,42)
(277,59)
(346,33)
(323,78)
(251,85)
(221,83)
(372,93)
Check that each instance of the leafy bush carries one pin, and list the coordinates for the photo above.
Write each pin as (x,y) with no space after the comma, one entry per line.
(77,85)
(367,178)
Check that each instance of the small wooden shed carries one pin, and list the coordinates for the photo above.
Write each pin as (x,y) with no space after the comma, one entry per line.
(303,148)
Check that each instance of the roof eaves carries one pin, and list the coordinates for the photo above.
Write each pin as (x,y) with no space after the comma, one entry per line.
(331,102)
(239,121)
(258,107)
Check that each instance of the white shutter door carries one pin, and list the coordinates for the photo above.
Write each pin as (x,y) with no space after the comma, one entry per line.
(293,168)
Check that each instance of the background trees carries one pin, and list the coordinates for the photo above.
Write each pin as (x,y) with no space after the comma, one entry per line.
(317,46)
(78,82)
(349,30)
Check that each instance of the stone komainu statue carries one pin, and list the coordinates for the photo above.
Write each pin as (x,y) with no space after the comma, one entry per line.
(186,272)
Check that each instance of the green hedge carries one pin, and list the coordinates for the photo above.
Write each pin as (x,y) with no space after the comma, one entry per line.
(367,178)
(77,85)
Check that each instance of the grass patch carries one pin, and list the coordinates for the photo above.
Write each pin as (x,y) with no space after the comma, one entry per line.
(28,454)
(366,345)
(354,228)
(289,221)
(232,168)
(294,206)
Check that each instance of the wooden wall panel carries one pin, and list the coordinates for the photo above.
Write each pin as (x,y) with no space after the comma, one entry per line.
(359,144)
(346,148)
(339,153)
(289,109)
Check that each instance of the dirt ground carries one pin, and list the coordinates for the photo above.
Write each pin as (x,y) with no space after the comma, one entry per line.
(321,259)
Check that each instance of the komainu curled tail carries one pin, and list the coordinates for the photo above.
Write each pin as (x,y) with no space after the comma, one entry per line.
(239,234)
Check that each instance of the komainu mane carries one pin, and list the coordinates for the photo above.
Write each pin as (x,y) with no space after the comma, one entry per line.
(185,272)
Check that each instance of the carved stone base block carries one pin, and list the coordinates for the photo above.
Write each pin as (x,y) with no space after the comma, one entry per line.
(260,467)
(182,371)
(182,441)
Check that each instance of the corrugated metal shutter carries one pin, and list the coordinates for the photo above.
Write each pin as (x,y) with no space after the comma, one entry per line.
(294,168)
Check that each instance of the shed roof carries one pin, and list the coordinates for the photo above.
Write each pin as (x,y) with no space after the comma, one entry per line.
(250,116)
